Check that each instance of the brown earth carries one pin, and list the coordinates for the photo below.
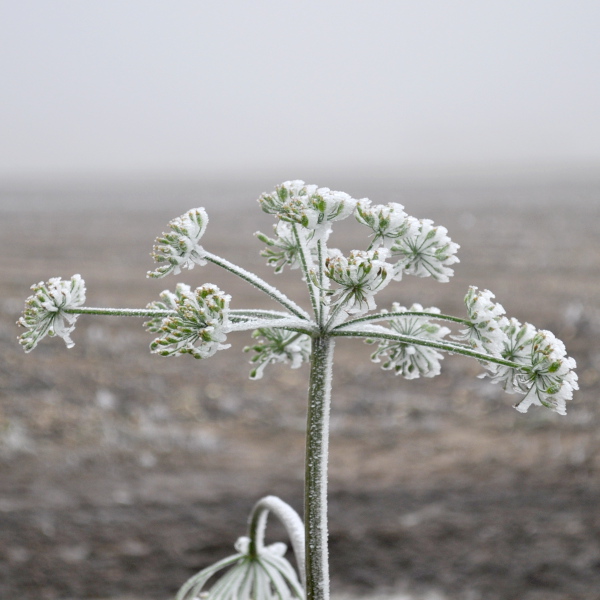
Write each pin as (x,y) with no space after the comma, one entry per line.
(122,473)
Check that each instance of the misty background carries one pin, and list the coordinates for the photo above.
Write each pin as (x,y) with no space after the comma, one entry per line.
(281,90)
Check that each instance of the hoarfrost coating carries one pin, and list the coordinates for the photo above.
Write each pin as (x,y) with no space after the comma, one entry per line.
(180,247)
(45,311)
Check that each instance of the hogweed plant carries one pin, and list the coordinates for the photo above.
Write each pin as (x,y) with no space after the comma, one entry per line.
(410,341)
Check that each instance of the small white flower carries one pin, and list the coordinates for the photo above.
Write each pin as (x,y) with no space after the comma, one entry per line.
(264,575)
(198,326)
(331,205)
(485,331)
(179,248)
(429,252)
(282,250)
(517,349)
(308,206)
(277,345)
(546,376)
(408,359)
(360,277)
(45,311)
(389,222)
(551,379)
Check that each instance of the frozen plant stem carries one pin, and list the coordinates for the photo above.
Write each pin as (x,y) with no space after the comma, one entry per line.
(409,341)
(315,482)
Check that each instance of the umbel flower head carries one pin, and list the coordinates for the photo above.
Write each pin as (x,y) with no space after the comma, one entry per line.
(487,323)
(543,371)
(45,311)
(263,575)
(411,360)
(388,222)
(546,377)
(276,345)
(198,325)
(428,252)
(282,250)
(360,276)
(179,248)
(308,206)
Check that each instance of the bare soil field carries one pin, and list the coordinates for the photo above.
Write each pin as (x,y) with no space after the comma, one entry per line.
(123,473)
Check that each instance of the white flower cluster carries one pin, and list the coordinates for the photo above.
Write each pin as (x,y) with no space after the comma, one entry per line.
(485,330)
(277,345)
(428,253)
(389,222)
(198,325)
(282,250)
(421,249)
(360,276)
(547,377)
(411,360)
(417,247)
(545,373)
(309,206)
(266,575)
(45,311)
(179,248)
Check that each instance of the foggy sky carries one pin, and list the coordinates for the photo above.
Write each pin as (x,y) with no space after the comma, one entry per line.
(196,86)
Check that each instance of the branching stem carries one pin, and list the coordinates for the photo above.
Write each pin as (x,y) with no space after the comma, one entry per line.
(306,263)
(258,283)
(394,315)
(407,339)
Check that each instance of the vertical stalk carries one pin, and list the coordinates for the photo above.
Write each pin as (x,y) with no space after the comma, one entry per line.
(315,484)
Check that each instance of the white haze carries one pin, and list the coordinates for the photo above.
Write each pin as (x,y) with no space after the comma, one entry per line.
(290,89)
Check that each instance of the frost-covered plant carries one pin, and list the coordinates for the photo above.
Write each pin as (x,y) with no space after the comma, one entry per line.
(342,289)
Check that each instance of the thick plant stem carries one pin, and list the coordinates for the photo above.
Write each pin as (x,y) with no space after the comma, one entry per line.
(315,484)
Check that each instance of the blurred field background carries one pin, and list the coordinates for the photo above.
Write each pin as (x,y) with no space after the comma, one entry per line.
(124,473)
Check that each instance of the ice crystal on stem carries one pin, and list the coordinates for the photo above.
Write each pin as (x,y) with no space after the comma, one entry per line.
(412,360)
(45,311)
(199,325)
(179,248)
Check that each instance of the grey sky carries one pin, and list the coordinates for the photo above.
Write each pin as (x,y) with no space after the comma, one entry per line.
(195,86)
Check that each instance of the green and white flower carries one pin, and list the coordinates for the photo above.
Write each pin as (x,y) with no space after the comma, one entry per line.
(256,571)
(485,330)
(275,345)
(179,248)
(46,311)
(411,360)
(388,222)
(360,276)
(546,375)
(198,326)
(264,575)
(308,206)
(428,252)
(282,250)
